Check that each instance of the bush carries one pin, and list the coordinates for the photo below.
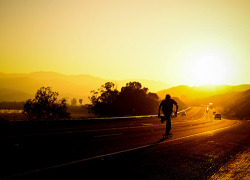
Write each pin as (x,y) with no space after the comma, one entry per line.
(45,105)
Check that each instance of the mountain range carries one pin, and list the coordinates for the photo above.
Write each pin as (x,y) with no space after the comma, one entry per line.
(20,87)
(230,105)
(190,94)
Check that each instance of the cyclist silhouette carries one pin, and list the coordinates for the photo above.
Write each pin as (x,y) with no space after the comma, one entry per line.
(167,108)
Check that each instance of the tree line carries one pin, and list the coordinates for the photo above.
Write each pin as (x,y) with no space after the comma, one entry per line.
(133,99)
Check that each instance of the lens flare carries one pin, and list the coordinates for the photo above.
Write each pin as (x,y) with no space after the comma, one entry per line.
(209,69)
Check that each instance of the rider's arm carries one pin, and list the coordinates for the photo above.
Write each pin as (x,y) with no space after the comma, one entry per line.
(176,108)
(175,103)
(159,111)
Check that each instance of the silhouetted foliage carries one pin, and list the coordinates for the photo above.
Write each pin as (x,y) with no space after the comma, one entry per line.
(131,100)
(104,100)
(80,101)
(45,105)
(73,102)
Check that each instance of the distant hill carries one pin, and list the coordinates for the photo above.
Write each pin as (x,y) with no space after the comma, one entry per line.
(13,95)
(181,105)
(24,86)
(238,106)
(232,105)
(188,94)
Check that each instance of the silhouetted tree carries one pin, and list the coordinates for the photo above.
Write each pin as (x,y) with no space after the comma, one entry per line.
(132,100)
(73,102)
(80,101)
(104,100)
(45,105)
(136,100)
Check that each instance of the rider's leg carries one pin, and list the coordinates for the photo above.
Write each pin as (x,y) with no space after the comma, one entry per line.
(168,123)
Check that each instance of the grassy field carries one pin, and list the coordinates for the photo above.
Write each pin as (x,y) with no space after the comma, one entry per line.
(16,115)
(12,116)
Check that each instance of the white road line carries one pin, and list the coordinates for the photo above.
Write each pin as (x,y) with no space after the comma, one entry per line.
(105,135)
(132,117)
(107,129)
(94,130)
(114,153)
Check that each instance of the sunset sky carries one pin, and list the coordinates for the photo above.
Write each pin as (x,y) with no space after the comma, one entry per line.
(190,42)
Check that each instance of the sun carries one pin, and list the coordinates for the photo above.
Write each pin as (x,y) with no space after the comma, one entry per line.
(209,69)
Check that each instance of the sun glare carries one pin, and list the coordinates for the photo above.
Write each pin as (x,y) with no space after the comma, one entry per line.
(209,69)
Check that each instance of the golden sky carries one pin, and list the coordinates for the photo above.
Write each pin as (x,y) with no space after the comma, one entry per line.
(189,42)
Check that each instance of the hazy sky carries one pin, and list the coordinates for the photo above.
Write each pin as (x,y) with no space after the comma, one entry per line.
(189,42)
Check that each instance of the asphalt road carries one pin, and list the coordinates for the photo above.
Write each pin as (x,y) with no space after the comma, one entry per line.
(131,149)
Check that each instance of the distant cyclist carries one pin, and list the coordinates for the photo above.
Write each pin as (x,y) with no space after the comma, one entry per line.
(167,108)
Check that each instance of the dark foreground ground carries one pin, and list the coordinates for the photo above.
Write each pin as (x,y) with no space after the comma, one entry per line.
(127,149)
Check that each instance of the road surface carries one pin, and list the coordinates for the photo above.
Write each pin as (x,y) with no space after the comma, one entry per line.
(201,148)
